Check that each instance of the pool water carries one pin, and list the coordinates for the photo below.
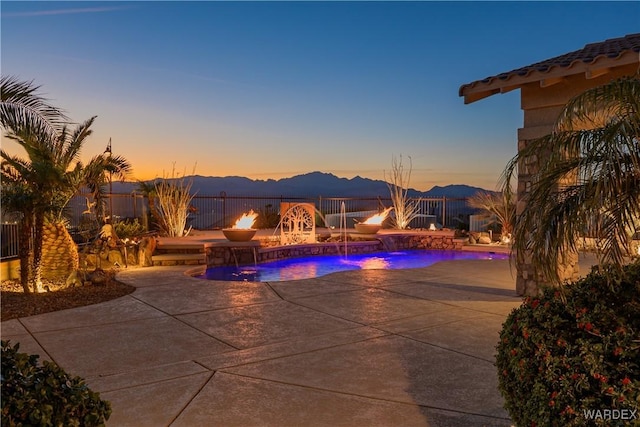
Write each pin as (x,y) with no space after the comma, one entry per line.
(317,266)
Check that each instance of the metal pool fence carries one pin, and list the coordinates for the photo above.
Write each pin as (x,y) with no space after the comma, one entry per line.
(9,240)
(215,212)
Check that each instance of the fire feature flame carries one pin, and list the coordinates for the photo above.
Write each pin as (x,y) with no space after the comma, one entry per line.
(379,218)
(246,221)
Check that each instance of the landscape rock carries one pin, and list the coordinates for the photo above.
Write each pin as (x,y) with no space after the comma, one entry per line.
(484,240)
(115,257)
(145,251)
(99,277)
(74,279)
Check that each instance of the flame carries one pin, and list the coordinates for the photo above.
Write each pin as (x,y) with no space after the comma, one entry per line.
(246,221)
(377,219)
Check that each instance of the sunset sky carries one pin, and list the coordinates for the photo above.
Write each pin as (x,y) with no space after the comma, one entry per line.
(276,89)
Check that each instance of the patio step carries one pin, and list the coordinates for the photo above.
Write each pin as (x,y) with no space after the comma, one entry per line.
(178,259)
(181,247)
(179,254)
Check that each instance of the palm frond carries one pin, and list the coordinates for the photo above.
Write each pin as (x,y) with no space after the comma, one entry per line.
(585,179)
(21,106)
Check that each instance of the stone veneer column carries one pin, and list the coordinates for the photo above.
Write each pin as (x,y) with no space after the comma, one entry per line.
(528,279)
(542,101)
(541,108)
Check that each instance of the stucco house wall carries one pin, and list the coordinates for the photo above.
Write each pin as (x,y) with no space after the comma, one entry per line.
(545,87)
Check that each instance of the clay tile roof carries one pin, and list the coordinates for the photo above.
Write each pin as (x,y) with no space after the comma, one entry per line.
(591,53)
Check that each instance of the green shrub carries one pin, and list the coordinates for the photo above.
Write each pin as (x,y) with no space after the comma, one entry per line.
(559,362)
(268,217)
(46,395)
(129,228)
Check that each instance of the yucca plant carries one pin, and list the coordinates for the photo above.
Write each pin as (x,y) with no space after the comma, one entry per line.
(174,197)
(405,209)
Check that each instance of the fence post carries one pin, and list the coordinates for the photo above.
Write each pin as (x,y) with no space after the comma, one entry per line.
(444,211)
(135,203)
(223,195)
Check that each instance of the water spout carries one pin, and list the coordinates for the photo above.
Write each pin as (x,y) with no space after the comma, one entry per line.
(343,226)
(388,243)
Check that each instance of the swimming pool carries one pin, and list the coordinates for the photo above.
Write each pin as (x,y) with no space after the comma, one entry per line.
(317,266)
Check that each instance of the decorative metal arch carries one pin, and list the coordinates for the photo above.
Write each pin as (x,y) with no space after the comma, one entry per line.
(298,223)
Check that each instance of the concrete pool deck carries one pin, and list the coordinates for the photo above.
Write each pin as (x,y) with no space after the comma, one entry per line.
(358,348)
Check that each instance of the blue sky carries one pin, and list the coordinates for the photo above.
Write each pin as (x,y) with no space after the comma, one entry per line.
(275,89)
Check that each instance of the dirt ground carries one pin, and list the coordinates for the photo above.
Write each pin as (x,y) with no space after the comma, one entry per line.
(15,303)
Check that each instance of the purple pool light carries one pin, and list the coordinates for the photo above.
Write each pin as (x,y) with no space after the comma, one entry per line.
(316,266)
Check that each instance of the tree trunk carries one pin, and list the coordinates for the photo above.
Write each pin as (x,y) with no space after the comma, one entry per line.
(37,252)
(59,251)
(23,251)
(152,218)
(155,215)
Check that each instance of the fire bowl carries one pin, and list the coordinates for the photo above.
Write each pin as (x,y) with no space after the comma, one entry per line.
(239,234)
(367,228)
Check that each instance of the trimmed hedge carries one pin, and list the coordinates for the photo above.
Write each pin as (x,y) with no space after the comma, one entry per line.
(45,395)
(561,361)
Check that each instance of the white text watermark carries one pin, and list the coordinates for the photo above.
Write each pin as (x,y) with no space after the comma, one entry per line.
(611,414)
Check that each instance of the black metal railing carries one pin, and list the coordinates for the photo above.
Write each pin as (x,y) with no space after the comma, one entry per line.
(220,211)
(215,212)
(9,241)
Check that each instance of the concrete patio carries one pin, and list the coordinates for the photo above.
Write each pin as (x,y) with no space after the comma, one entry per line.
(359,348)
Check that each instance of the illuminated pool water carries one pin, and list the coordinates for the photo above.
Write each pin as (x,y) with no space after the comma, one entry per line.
(316,266)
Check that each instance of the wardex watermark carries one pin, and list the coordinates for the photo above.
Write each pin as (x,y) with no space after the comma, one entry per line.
(611,414)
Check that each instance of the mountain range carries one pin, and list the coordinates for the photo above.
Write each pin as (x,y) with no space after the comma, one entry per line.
(305,185)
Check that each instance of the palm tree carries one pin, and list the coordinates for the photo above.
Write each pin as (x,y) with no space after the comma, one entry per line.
(17,196)
(21,107)
(34,178)
(60,250)
(148,190)
(588,180)
(500,205)
(53,174)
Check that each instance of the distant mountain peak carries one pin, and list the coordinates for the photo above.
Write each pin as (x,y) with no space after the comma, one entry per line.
(310,184)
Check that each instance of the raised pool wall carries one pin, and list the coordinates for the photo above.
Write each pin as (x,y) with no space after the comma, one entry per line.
(225,253)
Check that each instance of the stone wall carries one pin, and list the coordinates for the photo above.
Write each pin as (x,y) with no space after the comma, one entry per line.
(10,269)
(422,241)
(228,253)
